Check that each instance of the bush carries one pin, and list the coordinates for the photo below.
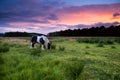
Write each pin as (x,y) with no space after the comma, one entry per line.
(109,42)
(100,45)
(4,47)
(74,70)
(53,46)
(87,47)
(61,48)
(87,53)
(113,47)
(117,40)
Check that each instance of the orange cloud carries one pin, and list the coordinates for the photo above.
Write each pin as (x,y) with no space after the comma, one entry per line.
(89,14)
(87,18)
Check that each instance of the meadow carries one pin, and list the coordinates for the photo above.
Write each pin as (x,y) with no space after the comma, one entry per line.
(71,58)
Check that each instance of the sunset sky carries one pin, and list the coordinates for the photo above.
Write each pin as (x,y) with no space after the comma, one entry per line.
(44,16)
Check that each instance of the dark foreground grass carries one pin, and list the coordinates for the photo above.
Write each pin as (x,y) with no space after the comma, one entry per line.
(4,47)
(2,71)
(77,61)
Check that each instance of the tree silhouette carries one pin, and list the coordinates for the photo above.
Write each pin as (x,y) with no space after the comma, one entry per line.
(94,31)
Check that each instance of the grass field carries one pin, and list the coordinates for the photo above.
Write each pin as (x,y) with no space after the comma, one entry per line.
(70,59)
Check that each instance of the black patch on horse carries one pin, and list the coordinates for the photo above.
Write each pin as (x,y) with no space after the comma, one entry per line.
(34,39)
(42,41)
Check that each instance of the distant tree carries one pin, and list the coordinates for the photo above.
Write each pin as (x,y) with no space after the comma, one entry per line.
(94,31)
(20,34)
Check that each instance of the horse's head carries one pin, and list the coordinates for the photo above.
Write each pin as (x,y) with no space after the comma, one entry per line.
(49,46)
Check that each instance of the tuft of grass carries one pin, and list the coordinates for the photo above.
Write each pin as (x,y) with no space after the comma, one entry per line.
(113,47)
(74,70)
(87,47)
(61,48)
(87,52)
(117,39)
(4,47)
(100,45)
(109,42)
(53,46)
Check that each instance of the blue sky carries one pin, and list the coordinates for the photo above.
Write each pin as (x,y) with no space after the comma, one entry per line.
(89,2)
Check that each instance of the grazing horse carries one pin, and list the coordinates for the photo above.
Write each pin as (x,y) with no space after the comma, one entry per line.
(43,40)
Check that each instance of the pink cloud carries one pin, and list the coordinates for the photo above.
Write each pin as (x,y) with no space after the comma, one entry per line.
(88,14)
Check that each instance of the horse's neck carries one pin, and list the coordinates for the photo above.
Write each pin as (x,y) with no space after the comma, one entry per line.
(46,40)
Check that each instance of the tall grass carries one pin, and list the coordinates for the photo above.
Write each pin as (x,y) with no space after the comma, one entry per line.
(44,69)
(4,47)
(73,62)
(74,70)
(2,71)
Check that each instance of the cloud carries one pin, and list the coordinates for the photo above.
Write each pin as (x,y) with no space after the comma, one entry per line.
(116,15)
(18,10)
(53,15)
(99,24)
(88,14)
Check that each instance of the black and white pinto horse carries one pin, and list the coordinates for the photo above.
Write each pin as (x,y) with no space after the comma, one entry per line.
(43,40)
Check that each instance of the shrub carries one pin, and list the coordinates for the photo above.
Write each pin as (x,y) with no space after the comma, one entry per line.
(87,47)
(61,48)
(4,47)
(113,47)
(78,40)
(35,52)
(117,40)
(109,42)
(117,77)
(100,45)
(87,53)
(53,46)
(74,70)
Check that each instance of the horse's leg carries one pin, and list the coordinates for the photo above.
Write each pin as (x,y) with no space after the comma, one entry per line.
(42,47)
(35,46)
(31,45)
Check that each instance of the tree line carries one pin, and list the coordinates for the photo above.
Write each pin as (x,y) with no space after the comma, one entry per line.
(94,31)
(19,34)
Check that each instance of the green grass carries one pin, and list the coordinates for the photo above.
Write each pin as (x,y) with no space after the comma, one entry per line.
(4,47)
(67,60)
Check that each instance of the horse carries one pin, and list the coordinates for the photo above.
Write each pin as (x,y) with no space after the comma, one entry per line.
(43,40)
